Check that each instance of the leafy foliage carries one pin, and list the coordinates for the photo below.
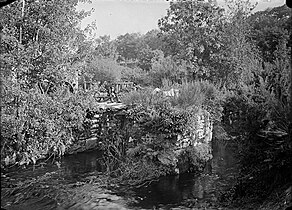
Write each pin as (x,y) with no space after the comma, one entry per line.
(35,46)
(128,46)
(104,69)
(40,124)
(269,27)
(258,116)
(136,75)
(37,49)
(189,31)
(147,57)
(166,68)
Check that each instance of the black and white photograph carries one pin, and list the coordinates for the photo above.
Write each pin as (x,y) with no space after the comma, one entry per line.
(146,104)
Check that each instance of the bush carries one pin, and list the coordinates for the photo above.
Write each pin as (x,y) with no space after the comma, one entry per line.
(200,95)
(140,97)
(35,125)
(104,69)
(260,123)
(149,138)
(136,75)
(166,68)
(168,117)
(156,121)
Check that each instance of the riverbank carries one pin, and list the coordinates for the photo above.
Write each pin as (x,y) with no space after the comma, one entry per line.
(73,186)
(77,182)
(55,186)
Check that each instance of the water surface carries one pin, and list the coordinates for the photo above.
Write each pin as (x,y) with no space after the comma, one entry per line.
(180,190)
(166,192)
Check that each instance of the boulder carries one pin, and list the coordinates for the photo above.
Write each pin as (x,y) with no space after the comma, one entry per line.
(193,150)
(91,143)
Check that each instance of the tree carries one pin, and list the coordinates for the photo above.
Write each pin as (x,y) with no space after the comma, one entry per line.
(272,34)
(269,27)
(105,48)
(237,59)
(40,42)
(167,69)
(189,30)
(34,45)
(128,46)
(153,39)
(104,69)
(147,56)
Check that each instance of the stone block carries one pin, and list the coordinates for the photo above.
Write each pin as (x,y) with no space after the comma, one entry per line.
(91,143)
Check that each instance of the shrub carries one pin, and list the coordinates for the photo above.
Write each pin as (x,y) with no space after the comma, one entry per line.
(38,124)
(152,128)
(201,95)
(190,95)
(156,123)
(136,75)
(260,123)
(104,69)
(166,68)
(138,172)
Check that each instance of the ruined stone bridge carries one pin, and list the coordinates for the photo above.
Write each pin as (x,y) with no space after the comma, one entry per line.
(97,124)
(109,116)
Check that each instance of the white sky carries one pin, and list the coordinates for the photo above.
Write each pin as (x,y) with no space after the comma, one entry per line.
(117,17)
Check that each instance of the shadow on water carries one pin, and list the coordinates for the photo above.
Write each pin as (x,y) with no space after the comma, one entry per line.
(172,191)
(70,168)
(18,192)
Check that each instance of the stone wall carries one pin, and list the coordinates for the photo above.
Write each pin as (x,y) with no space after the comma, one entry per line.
(193,149)
(199,132)
(95,126)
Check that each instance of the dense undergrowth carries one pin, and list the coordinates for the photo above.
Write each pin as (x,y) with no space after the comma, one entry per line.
(261,129)
(39,125)
(143,150)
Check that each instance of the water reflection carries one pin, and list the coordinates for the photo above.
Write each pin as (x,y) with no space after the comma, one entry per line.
(70,168)
(74,166)
(218,176)
(172,190)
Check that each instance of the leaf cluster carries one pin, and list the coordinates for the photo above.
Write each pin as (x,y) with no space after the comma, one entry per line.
(35,125)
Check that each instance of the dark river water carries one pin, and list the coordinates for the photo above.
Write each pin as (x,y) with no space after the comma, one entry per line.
(170,191)
(70,168)
(187,189)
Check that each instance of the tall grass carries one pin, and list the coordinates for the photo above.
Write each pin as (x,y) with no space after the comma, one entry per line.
(195,94)
(191,94)
(141,97)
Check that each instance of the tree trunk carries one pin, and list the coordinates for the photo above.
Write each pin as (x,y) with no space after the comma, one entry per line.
(20,28)
(20,42)
(290,129)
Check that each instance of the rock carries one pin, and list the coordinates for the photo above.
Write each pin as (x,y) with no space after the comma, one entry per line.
(194,149)
(91,143)
(167,158)
(183,163)
(200,131)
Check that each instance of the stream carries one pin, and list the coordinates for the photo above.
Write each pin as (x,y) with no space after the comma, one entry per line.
(170,192)
(188,190)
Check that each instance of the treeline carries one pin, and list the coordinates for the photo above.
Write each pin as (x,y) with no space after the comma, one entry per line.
(195,41)
(200,41)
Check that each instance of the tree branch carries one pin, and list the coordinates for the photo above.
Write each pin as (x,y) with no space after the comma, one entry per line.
(5,2)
